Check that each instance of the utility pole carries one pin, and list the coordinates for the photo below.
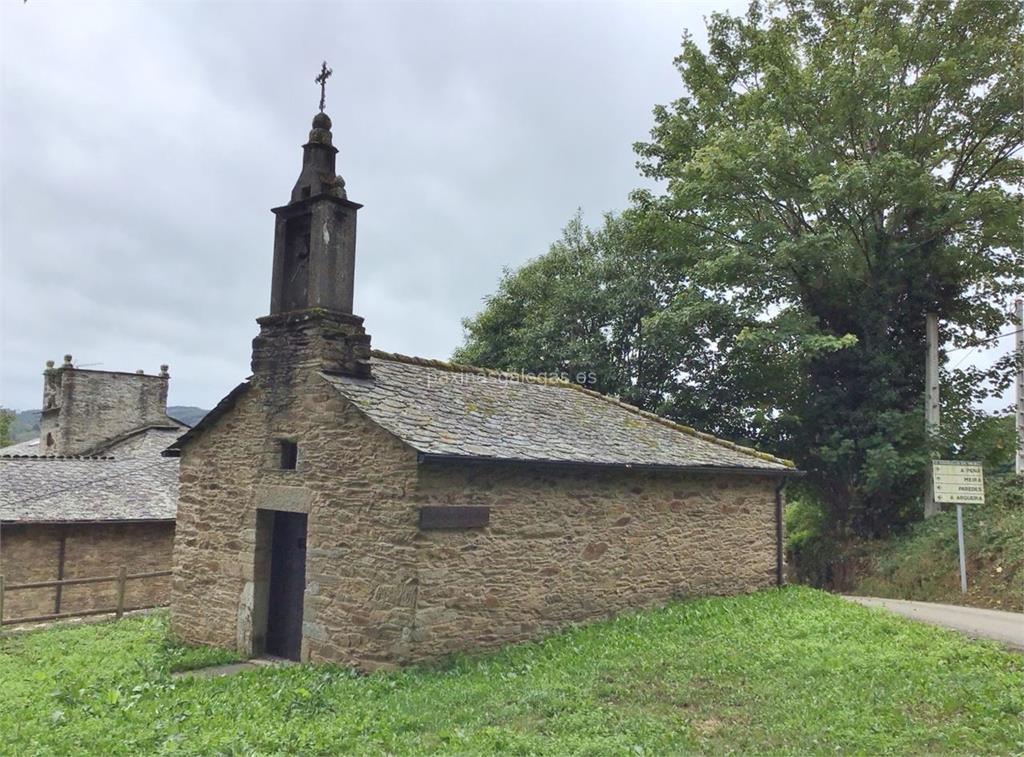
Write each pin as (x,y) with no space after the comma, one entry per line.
(1020,387)
(931,401)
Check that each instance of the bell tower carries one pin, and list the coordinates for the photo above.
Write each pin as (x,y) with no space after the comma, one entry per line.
(311,323)
(315,233)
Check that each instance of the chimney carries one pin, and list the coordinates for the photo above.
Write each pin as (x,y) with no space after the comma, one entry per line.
(83,409)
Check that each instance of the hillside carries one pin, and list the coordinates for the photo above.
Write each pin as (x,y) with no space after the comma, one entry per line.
(187,413)
(795,672)
(25,426)
(923,563)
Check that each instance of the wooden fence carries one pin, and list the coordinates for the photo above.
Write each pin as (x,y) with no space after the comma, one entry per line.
(122,577)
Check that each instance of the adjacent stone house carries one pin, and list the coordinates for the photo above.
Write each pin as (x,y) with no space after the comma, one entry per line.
(372,509)
(92,494)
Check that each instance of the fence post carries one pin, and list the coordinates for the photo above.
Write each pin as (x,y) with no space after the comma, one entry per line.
(1,600)
(121,573)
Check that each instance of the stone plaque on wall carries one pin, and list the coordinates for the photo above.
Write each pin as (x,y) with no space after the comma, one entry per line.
(454,517)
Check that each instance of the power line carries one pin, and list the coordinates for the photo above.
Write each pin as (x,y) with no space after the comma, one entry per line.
(983,341)
(958,362)
(970,350)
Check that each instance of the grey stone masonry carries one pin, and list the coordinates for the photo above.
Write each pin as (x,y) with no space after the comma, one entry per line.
(292,343)
(85,408)
(315,234)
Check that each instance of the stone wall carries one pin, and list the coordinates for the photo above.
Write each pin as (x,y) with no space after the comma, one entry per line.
(349,475)
(30,553)
(213,551)
(84,408)
(562,545)
(565,546)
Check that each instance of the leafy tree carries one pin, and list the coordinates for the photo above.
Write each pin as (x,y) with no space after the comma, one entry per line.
(7,418)
(603,308)
(832,172)
(613,308)
(993,441)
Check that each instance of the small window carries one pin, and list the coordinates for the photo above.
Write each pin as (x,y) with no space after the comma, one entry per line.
(289,454)
(49,440)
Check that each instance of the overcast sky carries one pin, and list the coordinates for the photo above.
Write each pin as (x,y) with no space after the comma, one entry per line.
(142,146)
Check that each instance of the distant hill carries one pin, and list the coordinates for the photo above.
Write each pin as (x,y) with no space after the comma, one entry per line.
(25,426)
(187,413)
(26,422)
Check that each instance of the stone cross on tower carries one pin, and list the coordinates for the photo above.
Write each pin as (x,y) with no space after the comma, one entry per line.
(325,74)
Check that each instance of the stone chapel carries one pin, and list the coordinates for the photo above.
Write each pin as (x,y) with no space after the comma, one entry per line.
(355,506)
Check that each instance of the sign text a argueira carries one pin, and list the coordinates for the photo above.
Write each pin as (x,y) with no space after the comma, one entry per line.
(959,483)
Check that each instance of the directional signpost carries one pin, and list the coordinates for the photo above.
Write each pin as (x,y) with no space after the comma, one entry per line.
(958,483)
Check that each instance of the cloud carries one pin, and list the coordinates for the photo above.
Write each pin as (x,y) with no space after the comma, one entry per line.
(142,147)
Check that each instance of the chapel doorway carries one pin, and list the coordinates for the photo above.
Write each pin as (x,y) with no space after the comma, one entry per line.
(287,585)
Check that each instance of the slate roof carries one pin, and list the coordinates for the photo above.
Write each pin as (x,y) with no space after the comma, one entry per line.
(30,447)
(130,481)
(147,442)
(444,410)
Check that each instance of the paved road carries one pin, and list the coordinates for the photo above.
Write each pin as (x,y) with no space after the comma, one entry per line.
(1007,627)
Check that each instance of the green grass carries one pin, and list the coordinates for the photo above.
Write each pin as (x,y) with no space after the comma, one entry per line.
(181,657)
(794,671)
(924,563)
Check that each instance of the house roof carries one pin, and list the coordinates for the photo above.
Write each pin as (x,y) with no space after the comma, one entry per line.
(29,447)
(145,440)
(148,441)
(130,481)
(459,412)
(449,411)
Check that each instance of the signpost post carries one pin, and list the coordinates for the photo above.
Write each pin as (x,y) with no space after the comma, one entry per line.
(959,483)
(960,539)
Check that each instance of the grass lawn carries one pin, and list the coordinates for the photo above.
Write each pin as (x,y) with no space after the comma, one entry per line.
(793,671)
